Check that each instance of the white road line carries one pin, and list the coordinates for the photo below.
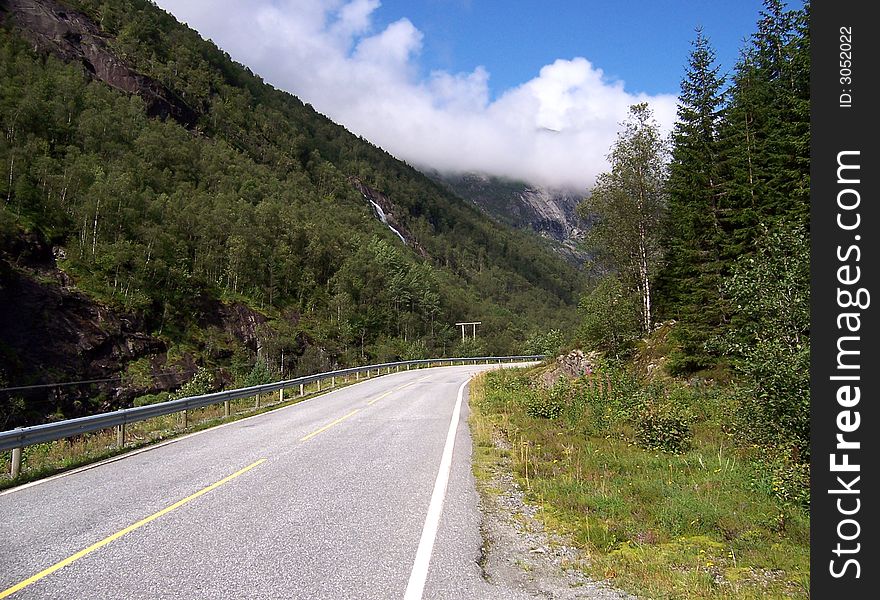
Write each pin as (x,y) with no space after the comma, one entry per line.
(419,574)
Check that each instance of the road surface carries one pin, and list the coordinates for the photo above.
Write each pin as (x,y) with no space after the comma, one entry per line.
(342,496)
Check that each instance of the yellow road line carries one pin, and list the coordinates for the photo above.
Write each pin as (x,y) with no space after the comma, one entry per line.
(119,534)
(328,426)
(377,398)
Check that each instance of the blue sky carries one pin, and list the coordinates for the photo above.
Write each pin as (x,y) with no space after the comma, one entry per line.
(531,90)
(644,43)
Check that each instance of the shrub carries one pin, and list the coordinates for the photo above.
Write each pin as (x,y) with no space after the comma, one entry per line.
(201,383)
(769,340)
(545,343)
(548,404)
(610,395)
(151,399)
(259,375)
(782,478)
(609,317)
(662,425)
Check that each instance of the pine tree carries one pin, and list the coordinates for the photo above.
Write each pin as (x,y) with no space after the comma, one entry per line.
(690,279)
(766,130)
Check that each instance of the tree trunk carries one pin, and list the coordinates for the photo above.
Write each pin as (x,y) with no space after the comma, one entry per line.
(95,227)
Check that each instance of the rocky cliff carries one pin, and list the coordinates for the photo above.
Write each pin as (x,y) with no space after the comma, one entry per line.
(74,38)
(548,212)
(52,333)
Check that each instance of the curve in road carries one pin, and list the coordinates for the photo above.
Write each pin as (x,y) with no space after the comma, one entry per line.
(364,492)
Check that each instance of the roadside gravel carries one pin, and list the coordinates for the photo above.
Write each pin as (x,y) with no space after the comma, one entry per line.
(520,555)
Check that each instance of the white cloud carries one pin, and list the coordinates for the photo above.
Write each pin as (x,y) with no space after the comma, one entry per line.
(554,129)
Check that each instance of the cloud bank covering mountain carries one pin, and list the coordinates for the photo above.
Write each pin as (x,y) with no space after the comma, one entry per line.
(554,129)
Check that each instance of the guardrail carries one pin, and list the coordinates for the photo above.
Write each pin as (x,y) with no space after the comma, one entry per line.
(16,439)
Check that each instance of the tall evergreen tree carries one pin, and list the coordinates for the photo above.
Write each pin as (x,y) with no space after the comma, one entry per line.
(688,284)
(766,130)
(740,164)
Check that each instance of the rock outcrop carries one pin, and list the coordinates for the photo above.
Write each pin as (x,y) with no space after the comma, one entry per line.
(52,333)
(572,365)
(548,212)
(74,38)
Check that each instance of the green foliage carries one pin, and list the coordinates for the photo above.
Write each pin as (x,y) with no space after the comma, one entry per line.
(139,373)
(627,205)
(548,404)
(766,130)
(786,480)
(549,343)
(604,403)
(202,382)
(469,347)
(689,280)
(255,204)
(153,399)
(259,375)
(416,350)
(609,317)
(663,519)
(502,389)
(662,425)
(740,160)
(770,342)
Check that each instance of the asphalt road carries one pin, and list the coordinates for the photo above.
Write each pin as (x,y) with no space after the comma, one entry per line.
(324,499)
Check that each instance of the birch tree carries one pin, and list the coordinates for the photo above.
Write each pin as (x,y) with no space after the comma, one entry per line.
(627,206)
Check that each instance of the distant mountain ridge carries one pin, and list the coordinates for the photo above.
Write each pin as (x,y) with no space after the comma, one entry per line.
(549,212)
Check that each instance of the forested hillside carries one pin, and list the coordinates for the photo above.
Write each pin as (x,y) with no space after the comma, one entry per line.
(161,209)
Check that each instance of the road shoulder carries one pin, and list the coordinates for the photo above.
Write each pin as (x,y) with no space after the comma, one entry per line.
(518,552)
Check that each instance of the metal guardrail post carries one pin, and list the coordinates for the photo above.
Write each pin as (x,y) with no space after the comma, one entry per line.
(15,467)
(16,463)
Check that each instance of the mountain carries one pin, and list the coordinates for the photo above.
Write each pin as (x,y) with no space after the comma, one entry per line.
(546,211)
(163,210)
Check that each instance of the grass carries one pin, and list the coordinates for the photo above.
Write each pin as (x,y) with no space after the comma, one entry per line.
(692,524)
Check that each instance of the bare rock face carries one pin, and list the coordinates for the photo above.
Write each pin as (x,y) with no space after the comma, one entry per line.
(572,365)
(550,213)
(576,364)
(50,333)
(74,38)
(554,213)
